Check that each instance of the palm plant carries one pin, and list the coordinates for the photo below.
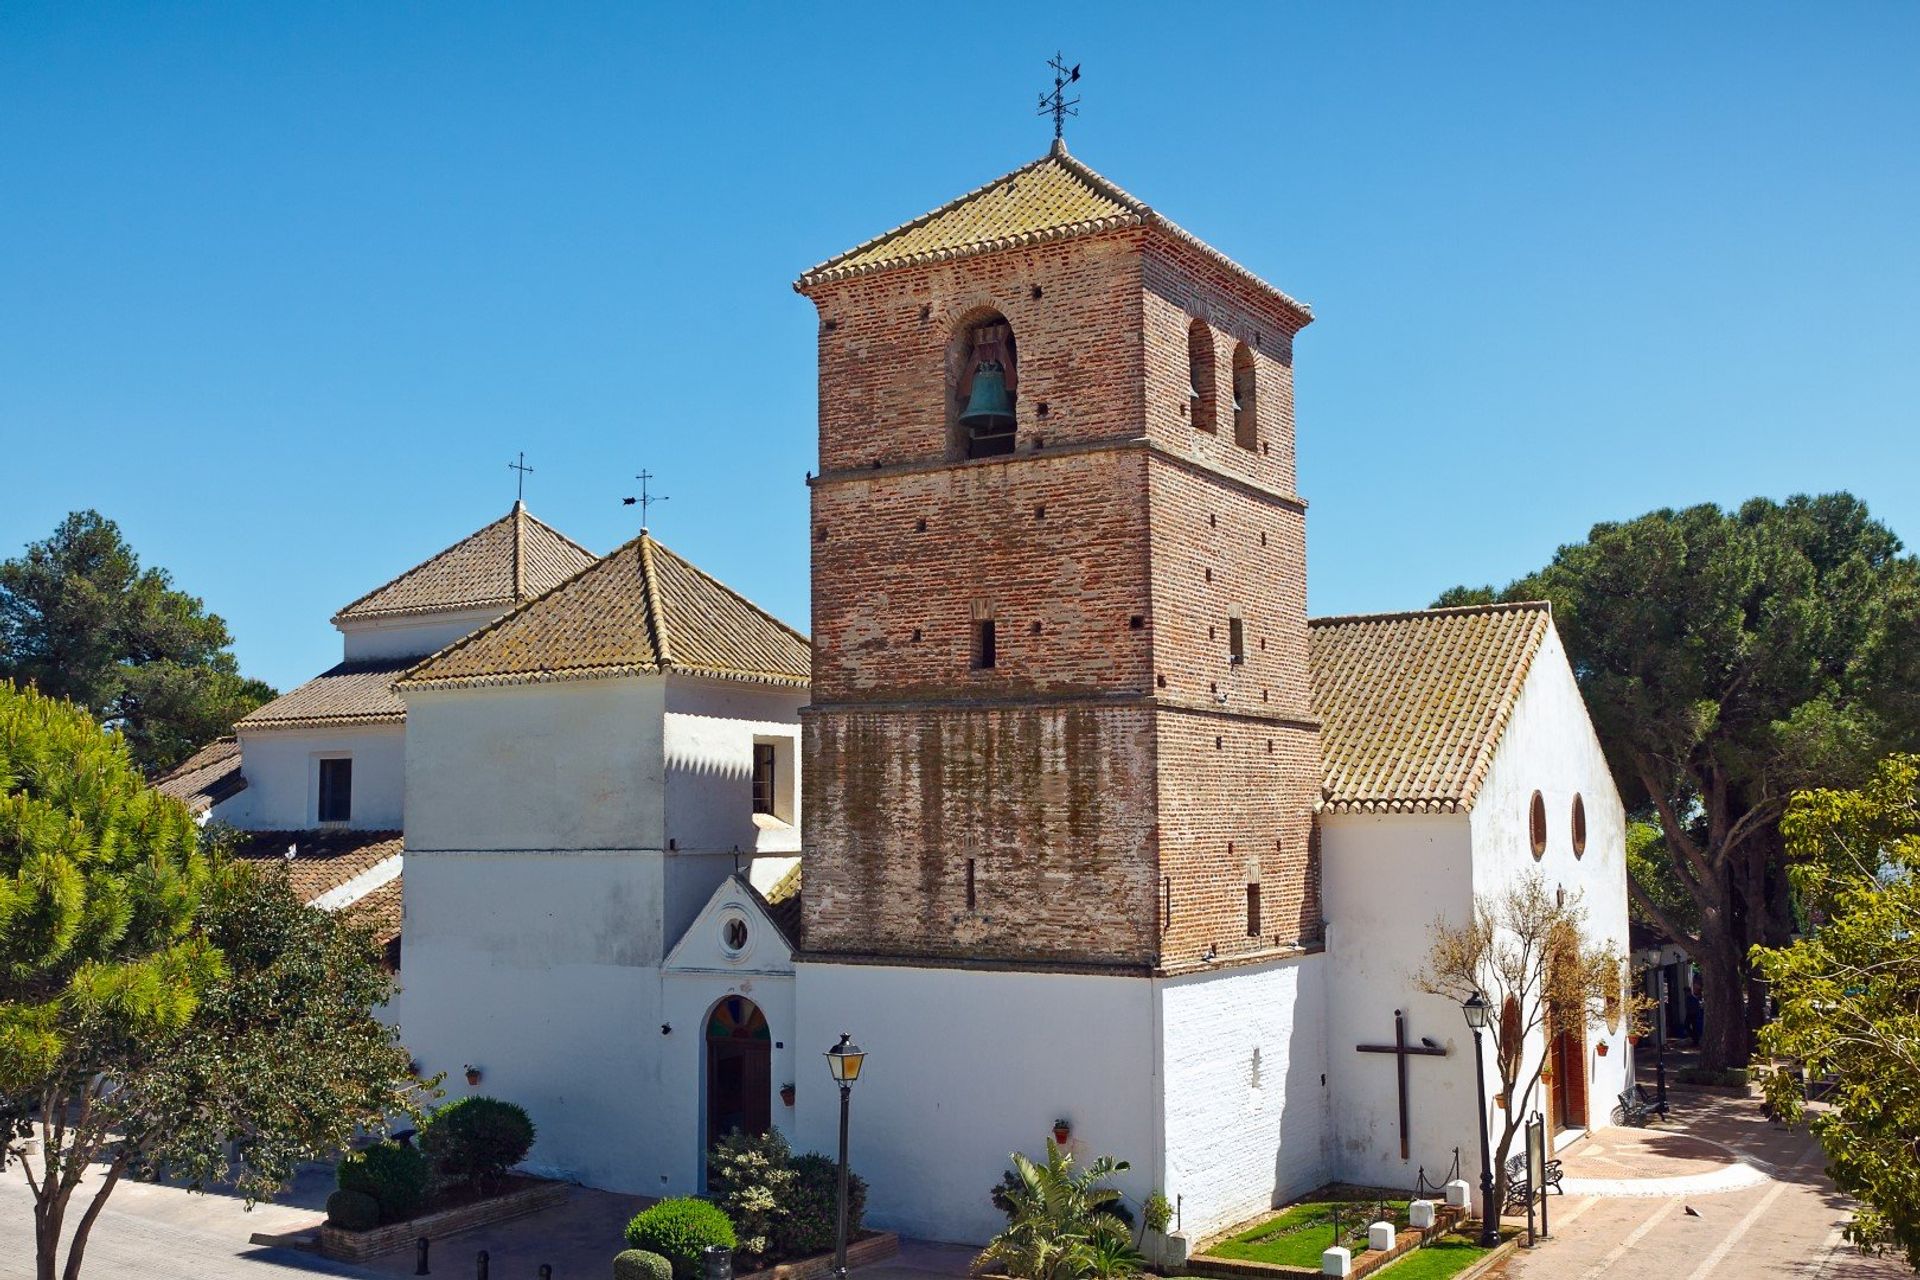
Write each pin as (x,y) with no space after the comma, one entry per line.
(1061,1224)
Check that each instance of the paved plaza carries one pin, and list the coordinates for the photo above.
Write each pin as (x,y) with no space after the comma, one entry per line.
(1762,1208)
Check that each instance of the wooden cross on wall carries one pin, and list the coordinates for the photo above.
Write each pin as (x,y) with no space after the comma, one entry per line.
(1401,1051)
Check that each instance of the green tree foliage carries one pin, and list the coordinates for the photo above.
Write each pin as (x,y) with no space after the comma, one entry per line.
(1729,659)
(156,1003)
(1061,1224)
(80,619)
(1847,996)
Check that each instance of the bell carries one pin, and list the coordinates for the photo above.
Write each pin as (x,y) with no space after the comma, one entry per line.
(989,407)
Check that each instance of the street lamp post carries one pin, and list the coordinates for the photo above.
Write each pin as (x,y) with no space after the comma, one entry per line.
(843,1062)
(1476,1010)
(1660,1039)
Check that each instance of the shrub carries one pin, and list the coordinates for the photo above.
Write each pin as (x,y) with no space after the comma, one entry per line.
(1157,1212)
(395,1176)
(475,1140)
(678,1230)
(812,1205)
(1061,1224)
(638,1264)
(751,1178)
(353,1211)
(1730,1077)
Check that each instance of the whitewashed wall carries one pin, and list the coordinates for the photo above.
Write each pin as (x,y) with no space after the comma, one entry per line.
(710,729)
(966,1067)
(541,969)
(283,777)
(411,635)
(1387,879)
(1550,746)
(570,765)
(1246,1090)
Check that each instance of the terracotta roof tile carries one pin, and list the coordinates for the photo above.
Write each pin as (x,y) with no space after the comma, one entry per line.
(381,910)
(512,559)
(206,777)
(324,859)
(642,609)
(1412,705)
(782,901)
(1054,198)
(351,693)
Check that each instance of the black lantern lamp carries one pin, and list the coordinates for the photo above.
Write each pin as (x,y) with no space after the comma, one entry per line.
(1477,1010)
(844,1061)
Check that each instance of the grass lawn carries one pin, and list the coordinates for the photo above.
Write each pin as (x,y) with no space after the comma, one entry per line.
(1448,1256)
(1302,1232)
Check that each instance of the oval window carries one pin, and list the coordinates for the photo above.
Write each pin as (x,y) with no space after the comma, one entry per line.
(734,934)
(1537,824)
(1579,826)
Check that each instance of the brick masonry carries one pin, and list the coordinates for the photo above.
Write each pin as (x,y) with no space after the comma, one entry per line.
(1115,783)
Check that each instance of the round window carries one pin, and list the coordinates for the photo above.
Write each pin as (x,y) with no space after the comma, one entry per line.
(1579,826)
(733,935)
(1537,824)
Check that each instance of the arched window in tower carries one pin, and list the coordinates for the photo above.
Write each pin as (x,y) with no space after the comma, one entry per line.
(1246,418)
(984,374)
(1200,380)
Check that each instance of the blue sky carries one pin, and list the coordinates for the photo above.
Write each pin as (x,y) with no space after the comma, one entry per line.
(284,287)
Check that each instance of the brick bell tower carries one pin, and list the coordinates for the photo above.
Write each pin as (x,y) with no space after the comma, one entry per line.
(1062,713)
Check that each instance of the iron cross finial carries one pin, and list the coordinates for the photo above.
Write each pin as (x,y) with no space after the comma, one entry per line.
(520,481)
(1057,104)
(645,499)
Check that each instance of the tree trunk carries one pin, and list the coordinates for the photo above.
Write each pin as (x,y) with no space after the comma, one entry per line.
(1726,1040)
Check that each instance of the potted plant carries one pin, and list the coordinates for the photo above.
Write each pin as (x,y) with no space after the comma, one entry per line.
(1062,1129)
(786,1094)
(1601,1048)
(473,1074)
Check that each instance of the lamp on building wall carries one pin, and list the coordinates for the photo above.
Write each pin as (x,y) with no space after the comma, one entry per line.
(844,1061)
(1476,1010)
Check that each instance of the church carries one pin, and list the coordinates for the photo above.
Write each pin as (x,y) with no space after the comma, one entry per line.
(1065,809)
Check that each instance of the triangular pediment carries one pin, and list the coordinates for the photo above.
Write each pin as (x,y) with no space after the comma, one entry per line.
(735,932)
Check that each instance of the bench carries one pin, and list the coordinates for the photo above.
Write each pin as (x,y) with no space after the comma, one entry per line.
(1520,1187)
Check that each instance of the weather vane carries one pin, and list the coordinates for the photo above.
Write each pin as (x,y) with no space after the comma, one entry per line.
(645,499)
(520,481)
(1057,104)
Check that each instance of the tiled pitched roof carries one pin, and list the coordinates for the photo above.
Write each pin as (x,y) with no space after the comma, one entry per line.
(643,609)
(206,777)
(1412,705)
(1054,198)
(324,859)
(783,904)
(381,910)
(351,693)
(512,559)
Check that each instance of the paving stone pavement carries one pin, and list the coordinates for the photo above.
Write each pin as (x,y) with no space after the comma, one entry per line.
(1782,1221)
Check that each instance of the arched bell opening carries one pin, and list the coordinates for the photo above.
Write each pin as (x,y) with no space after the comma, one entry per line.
(983,379)
(1246,397)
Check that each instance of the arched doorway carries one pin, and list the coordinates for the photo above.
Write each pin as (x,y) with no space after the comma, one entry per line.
(739,1071)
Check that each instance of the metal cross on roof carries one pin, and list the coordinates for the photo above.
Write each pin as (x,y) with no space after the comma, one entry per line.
(520,481)
(645,499)
(1057,104)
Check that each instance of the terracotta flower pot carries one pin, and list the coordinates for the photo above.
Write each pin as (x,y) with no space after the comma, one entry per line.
(1061,1132)
(1601,1048)
(473,1075)
(786,1095)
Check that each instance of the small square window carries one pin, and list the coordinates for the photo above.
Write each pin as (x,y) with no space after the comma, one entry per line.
(336,790)
(763,777)
(984,653)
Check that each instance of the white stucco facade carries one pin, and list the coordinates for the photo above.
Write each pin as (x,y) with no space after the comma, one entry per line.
(283,777)
(565,838)
(410,635)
